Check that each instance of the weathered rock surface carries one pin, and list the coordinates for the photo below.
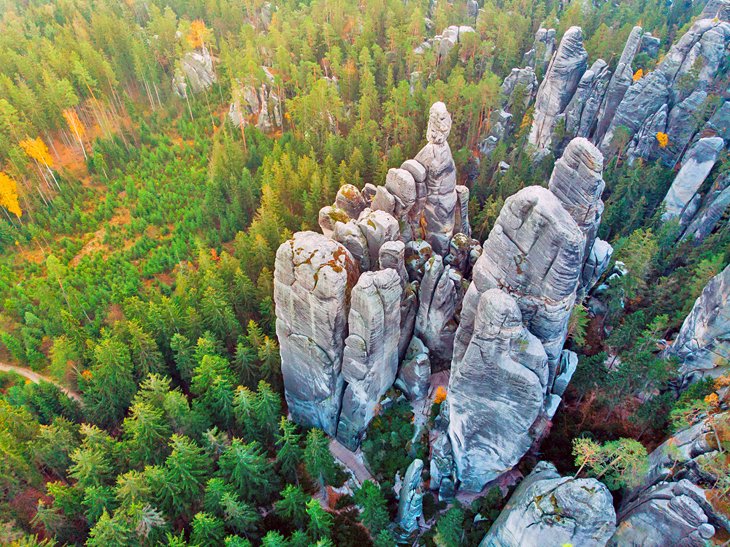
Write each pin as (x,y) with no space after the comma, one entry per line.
(520,85)
(415,371)
(410,504)
(703,342)
(197,66)
(681,125)
(577,181)
(496,392)
(313,276)
(260,102)
(370,359)
(547,509)
(621,80)
(666,514)
(437,298)
(596,264)
(716,202)
(534,253)
(440,182)
(582,110)
(542,50)
(558,87)
(698,163)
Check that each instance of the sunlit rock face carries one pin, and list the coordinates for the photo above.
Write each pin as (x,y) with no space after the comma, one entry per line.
(703,342)
(547,509)
(497,391)
(558,87)
(313,277)
(370,359)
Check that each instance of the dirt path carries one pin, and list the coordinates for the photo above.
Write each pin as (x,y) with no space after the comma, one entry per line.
(38,378)
(351,461)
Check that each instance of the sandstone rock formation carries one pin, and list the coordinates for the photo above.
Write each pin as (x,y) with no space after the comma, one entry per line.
(714,205)
(558,87)
(440,183)
(496,391)
(370,359)
(313,276)
(196,71)
(538,58)
(582,111)
(415,371)
(621,80)
(698,163)
(410,504)
(665,514)
(703,342)
(547,509)
(437,298)
(260,103)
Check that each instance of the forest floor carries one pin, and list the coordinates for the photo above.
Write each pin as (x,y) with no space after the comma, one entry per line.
(38,378)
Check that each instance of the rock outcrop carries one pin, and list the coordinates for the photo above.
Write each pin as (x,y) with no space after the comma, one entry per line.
(538,58)
(621,80)
(370,359)
(698,163)
(581,114)
(665,514)
(410,504)
(258,103)
(497,391)
(547,509)
(703,342)
(313,276)
(714,206)
(196,71)
(558,87)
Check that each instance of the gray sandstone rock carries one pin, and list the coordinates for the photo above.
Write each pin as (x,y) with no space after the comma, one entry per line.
(719,123)
(650,45)
(523,79)
(197,71)
(410,504)
(596,265)
(542,50)
(550,510)
(582,110)
(577,181)
(621,80)
(437,298)
(377,227)
(681,127)
(703,342)
(535,253)
(697,164)
(461,217)
(440,200)
(350,200)
(351,236)
(313,276)
(713,209)
(665,514)
(415,371)
(370,358)
(558,87)
(496,392)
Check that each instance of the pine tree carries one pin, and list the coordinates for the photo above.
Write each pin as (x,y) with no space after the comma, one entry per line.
(292,507)
(185,472)
(245,466)
(289,454)
(207,530)
(373,507)
(320,521)
(318,460)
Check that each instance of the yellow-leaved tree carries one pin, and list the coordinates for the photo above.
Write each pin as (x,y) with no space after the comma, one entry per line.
(662,139)
(75,125)
(198,34)
(9,195)
(638,75)
(37,149)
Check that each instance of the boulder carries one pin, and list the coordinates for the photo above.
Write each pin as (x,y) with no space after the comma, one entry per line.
(496,392)
(313,276)
(519,85)
(697,164)
(370,359)
(703,342)
(350,200)
(596,265)
(582,110)
(547,509)
(558,87)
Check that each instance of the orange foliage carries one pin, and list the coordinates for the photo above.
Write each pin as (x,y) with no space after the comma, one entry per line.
(9,195)
(662,139)
(74,123)
(198,34)
(37,149)
(440,396)
(712,399)
(638,75)
(87,375)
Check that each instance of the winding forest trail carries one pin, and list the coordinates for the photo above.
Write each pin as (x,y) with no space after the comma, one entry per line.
(38,378)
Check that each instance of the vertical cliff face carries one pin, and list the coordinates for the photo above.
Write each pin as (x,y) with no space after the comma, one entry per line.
(547,509)
(313,276)
(370,359)
(703,342)
(558,87)
(496,392)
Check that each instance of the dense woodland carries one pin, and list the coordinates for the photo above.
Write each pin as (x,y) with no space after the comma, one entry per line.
(138,234)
